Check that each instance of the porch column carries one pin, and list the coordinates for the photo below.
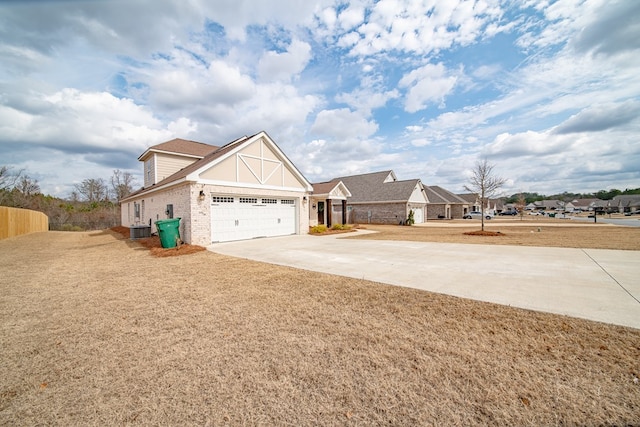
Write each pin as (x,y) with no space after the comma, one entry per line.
(344,212)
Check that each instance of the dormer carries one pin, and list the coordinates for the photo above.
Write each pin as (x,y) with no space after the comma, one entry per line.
(163,160)
(391,177)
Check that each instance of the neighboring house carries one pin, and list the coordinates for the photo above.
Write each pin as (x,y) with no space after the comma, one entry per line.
(472,200)
(379,198)
(495,206)
(549,205)
(491,206)
(247,188)
(443,204)
(581,205)
(626,203)
(329,204)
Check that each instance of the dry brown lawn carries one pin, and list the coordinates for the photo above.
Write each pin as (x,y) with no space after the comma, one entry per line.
(549,233)
(96,331)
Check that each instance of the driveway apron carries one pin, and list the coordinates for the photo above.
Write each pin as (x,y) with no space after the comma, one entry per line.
(594,284)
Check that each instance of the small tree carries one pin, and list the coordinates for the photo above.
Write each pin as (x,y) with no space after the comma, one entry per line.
(410,219)
(484,184)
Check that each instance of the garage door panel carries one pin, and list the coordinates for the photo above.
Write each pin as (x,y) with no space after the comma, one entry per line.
(241,218)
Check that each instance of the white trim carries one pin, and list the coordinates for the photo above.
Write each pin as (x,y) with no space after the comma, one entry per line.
(173,153)
(245,185)
(260,178)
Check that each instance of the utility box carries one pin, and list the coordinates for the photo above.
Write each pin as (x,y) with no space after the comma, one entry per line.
(139,232)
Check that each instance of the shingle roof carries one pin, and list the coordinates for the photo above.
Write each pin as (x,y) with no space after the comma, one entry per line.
(549,204)
(184,146)
(324,187)
(182,173)
(371,187)
(626,200)
(468,197)
(436,194)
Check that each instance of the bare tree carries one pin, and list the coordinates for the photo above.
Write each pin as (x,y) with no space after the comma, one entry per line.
(521,205)
(92,190)
(24,192)
(8,180)
(121,184)
(484,184)
(28,186)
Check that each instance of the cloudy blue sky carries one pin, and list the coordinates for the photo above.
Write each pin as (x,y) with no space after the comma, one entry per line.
(548,91)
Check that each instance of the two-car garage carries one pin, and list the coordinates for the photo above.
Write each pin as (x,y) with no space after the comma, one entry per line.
(249,217)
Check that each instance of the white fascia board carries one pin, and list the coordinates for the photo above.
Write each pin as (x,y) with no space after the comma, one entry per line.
(327,196)
(173,153)
(246,185)
(344,188)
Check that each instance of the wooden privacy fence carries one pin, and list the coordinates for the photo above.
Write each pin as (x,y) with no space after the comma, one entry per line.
(14,222)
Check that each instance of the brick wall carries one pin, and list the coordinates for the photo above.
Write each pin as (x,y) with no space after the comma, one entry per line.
(155,206)
(387,213)
(436,210)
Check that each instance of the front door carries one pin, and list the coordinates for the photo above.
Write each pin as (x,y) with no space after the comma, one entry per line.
(320,212)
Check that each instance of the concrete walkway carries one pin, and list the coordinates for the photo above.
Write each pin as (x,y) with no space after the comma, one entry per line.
(596,284)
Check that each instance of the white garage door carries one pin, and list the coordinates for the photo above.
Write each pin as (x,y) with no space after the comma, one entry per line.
(241,218)
(417,216)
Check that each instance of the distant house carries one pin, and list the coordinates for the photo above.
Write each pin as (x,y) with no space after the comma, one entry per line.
(245,189)
(443,204)
(549,205)
(581,205)
(492,206)
(626,203)
(380,198)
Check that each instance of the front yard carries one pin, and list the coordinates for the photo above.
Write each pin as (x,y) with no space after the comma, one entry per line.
(96,331)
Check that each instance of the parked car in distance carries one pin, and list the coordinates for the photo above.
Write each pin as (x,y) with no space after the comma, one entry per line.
(636,212)
(476,215)
(509,213)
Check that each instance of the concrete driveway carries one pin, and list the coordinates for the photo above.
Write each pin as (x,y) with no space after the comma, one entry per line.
(595,284)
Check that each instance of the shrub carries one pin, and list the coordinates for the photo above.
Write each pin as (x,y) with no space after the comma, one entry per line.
(318,229)
(410,219)
(340,227)
(70,227)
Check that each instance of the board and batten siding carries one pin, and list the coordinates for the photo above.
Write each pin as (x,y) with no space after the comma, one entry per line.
(167,164)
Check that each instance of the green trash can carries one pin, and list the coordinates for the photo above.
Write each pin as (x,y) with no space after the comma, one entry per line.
(169,232)
(552,215)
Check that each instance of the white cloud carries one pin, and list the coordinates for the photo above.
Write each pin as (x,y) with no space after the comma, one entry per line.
(283,66)
(94,120)
(176,86)
(343,124)
(427,84)
(421,28)
(350,17)
(367,98)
